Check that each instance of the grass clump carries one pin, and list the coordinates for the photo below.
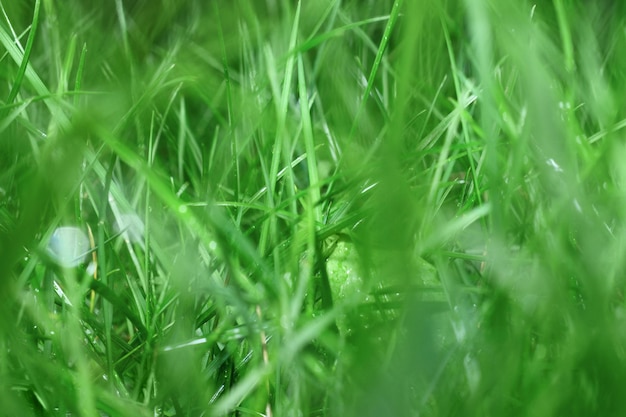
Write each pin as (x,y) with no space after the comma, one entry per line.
(311,208)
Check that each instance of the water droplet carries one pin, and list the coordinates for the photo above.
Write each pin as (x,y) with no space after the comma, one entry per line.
(68,246)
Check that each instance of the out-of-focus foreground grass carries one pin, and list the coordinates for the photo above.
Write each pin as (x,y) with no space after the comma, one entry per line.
(309,208)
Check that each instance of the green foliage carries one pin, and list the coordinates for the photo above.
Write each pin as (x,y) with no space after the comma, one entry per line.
(312,208)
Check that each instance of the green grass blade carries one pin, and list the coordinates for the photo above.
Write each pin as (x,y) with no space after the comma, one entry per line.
(17,84)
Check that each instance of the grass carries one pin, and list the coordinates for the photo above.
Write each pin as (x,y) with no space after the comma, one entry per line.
(312,208)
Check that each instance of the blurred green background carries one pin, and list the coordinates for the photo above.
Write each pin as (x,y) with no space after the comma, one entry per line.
(312,208)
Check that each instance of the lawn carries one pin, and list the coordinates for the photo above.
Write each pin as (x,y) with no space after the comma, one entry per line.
(312,208)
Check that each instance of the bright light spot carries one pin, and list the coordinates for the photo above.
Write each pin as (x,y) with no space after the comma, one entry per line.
(369,187)
(187,344)
(554,165)
(472,372)
(182,208)
(459,331)
(212,245)
(91,268)
(68,246)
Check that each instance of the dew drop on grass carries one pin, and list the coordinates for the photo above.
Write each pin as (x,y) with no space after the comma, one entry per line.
(68,246)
